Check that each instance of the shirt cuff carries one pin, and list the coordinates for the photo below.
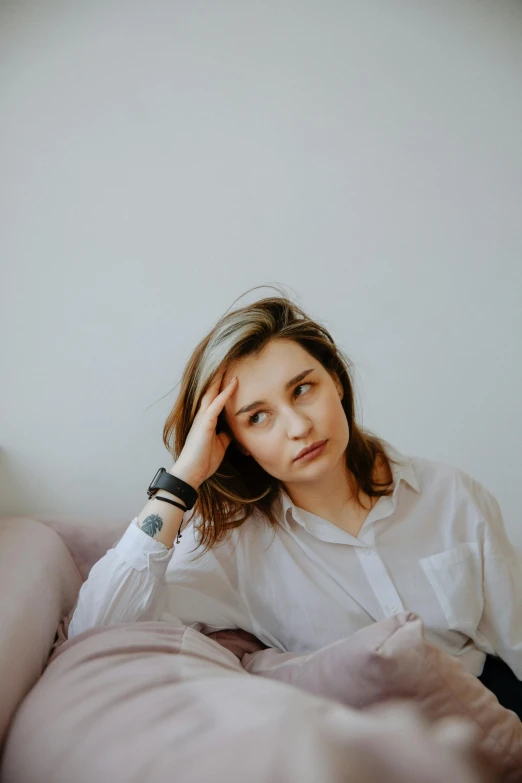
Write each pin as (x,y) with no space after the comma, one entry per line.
(139,550)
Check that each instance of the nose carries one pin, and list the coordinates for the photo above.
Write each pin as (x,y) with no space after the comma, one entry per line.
(297,424)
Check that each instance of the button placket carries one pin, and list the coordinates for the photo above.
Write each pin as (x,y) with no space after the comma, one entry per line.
(379,580)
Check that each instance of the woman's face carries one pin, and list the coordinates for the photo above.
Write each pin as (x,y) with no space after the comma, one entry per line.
(285,401)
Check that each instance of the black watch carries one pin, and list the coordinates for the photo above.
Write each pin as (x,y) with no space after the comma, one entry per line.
(175,485)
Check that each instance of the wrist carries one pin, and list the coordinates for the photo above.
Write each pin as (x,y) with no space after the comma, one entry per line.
(166,494)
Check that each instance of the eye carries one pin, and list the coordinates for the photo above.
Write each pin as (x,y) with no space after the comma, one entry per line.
(259,413)
(300,387)
(251,418)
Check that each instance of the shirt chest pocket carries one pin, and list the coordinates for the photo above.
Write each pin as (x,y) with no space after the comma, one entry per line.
(455,576)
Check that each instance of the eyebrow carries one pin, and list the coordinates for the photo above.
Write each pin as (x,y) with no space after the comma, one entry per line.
(296,379)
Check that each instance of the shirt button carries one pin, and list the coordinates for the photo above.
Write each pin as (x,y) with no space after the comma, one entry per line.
(367,550)
(393,608)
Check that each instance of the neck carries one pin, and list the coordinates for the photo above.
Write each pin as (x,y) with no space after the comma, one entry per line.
(331,497)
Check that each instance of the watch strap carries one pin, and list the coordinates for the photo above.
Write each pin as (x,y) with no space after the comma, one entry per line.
(174,485)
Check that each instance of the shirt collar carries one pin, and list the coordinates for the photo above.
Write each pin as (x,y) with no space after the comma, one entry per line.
(402,470)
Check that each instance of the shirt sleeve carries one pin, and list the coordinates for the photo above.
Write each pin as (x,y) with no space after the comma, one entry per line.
(126,585)
(501,621)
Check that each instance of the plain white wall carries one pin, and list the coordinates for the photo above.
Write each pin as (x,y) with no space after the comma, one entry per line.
(159,158)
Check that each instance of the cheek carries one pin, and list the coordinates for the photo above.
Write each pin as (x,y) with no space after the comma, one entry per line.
(335,415)
(265,449)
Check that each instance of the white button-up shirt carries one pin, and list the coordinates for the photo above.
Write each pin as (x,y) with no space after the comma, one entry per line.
(437,546)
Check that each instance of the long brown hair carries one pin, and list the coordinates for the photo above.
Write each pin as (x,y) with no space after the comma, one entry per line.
(240,484)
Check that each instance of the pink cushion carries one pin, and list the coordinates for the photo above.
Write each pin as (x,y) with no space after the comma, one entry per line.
(155,702)
(86,538)
(392,660)
(38,585)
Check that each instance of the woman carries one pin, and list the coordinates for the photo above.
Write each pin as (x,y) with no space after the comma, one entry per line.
(305,526)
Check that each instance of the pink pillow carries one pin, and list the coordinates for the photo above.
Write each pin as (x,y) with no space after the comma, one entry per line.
(392,660)
(155,702)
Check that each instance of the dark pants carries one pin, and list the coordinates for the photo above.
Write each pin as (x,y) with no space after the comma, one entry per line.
(498,678)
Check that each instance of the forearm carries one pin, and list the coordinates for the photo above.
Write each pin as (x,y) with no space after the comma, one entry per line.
(128,583)
(161,520)
(116,592)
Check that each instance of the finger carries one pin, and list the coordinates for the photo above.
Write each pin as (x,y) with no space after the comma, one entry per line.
(214,383)
(211,391)
(215,407)
(225,439)
(221,378)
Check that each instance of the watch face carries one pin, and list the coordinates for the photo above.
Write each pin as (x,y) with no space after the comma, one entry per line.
(156,477)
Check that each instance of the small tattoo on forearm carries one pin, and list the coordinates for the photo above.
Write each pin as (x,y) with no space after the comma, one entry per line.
(152,524)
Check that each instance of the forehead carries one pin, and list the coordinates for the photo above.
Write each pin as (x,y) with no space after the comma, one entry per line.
(278,360)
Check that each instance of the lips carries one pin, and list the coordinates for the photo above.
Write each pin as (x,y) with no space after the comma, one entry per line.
(306,449)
